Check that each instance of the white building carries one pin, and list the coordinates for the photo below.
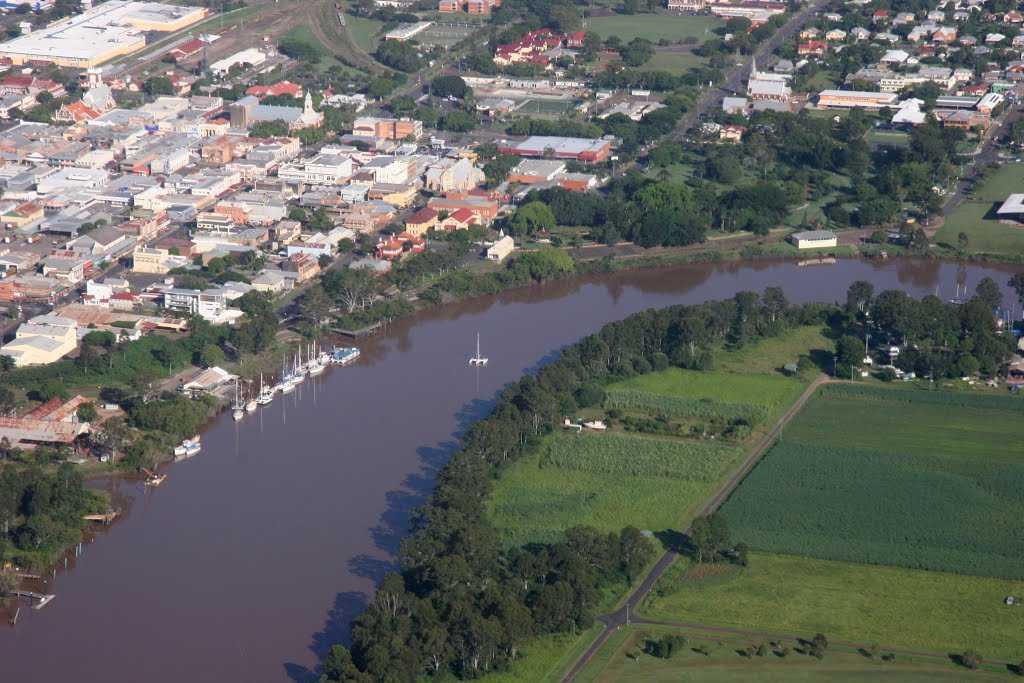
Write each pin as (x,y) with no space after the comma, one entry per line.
(320,170)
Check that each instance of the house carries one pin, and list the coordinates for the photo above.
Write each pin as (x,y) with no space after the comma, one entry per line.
(43,339)
(812,47)
(419,223)
(280,88)
(272,281)
(835,35)
(460,219)
(484,208)
(859,34)
(946,34)
(501,248)
(813,239)
(305,266)
(390,249)
(732,133)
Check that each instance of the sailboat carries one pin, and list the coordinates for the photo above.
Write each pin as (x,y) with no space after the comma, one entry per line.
(478,359)
(287,378)
(239,409)
(266,394)
(315,366)
(250,403)
(299,373)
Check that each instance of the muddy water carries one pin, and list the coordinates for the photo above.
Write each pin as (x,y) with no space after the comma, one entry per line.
(252,558)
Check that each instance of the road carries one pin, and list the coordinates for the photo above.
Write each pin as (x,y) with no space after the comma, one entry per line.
(986,155)
(733,82)
(620,617)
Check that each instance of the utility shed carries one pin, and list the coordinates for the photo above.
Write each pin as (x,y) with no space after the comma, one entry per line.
(813,239)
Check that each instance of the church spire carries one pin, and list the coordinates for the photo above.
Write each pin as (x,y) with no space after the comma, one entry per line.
(753,67)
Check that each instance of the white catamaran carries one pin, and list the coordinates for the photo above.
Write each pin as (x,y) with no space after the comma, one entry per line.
(478,359)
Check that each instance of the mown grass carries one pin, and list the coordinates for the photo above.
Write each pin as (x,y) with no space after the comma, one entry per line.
(943,474)
(653,27)
(1004,181)
(984,235)
(888,606)
(364,32)
(545,658)
(723,663)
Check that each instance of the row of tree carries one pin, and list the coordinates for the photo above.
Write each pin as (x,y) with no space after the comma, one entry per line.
(462,605)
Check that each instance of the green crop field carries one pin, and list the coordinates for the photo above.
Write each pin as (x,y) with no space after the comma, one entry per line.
(675,406)
(653,27)
(723,387)
(638,456)
(611,480)
(888,606)
(537,502)
(927,480)
(984,235)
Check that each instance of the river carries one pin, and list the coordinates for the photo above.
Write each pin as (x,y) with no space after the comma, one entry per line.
(253,557)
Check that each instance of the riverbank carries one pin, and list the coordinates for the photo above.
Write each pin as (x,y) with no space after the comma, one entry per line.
(347,465)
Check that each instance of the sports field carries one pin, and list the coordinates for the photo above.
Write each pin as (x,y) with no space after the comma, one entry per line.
(888,606)
(926,480)
(984,234)
(654,27)
(544,107)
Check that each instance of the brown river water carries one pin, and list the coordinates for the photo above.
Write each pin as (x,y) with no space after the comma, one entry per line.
(254,556)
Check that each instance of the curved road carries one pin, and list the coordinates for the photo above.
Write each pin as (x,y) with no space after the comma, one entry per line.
(620,617)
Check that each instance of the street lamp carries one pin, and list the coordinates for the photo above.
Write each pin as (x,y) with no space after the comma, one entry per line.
(614,159)
(834,360)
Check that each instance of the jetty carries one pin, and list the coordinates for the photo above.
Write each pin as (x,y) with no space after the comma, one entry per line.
(104,519)
(44,599)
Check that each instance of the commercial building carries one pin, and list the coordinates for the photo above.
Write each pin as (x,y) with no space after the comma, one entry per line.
(406,31)
(849,99)
(813,239)
(156,261)
(579,149)
(43,339)
(115,28)
(389,129)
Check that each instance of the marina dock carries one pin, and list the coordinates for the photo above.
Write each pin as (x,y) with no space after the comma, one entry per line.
(44,600)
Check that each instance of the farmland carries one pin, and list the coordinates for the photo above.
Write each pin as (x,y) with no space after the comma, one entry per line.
(636,456)
(723,663)
(655,482)
(890,606)
(943,473)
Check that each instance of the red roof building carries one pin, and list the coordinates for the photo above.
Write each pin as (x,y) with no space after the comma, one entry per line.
(420,222)
(282,88)
(187,49)
(460,219)
(391,248)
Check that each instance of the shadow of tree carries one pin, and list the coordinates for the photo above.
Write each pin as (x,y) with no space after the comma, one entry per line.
(347,606)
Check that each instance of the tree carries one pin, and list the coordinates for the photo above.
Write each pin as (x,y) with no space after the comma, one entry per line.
(158,85)
(114,435)
(211,356)
(1017,285)
(858,295)
(989,293)
(316,306)
(87,412)
(961,243)
(449,86)
(818,645)
(972,659)
(701,541)
(531,218)
(849,353)
(459,122)
(270,129)
(635,551)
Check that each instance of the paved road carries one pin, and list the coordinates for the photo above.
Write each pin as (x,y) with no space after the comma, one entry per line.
(988,154)
(620,617)
(733,82)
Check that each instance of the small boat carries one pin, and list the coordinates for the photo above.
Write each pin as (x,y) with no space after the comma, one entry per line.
(153,479)
(250,406)
(266,395)
(188,448)
(345,356)
(314,367)
(478,359)
(287,383)
(239,408)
